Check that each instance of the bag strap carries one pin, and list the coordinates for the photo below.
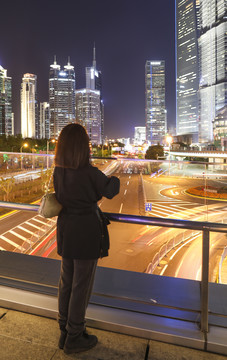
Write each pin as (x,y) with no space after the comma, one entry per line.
(52,173)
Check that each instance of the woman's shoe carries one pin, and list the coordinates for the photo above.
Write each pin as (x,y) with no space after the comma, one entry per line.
(62,339)
(76,344)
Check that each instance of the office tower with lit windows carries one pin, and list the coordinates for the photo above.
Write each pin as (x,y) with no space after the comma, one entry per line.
(61,97)
(155,101)
(29,110)
(139,135)
(94,82)
(44,118)
(220,129)
(6,116)
(213,65)
(187,68)
(88,113)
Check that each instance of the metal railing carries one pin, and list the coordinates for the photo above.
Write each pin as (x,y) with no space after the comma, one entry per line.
(204,227)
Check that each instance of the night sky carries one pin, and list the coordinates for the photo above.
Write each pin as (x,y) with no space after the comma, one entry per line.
(126,34)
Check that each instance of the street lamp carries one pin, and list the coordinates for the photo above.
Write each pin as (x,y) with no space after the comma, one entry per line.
(169,140)
(24,145)
(49,141)
(21,150)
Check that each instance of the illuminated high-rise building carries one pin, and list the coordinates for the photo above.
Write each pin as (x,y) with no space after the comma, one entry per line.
(220,129)
(44,118)
(155,101)
(213,65)
(187,67)
(6,116)
(29,109)
(61,97)
(88,113)
(94,82)
(139,135)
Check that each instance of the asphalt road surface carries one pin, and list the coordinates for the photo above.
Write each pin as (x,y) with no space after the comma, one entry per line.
(133,247)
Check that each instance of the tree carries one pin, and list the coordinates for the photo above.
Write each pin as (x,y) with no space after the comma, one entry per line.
(7,185)
(154,152)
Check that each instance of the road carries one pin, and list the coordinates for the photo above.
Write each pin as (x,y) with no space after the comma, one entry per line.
(132,246)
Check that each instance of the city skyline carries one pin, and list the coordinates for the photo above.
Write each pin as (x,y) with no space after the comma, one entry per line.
(125,34)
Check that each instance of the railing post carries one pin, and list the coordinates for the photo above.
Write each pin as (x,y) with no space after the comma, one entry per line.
(204,281)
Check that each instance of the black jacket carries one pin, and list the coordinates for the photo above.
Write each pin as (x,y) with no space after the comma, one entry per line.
(79,234)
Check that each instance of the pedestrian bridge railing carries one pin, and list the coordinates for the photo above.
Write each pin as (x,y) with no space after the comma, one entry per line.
(186,312)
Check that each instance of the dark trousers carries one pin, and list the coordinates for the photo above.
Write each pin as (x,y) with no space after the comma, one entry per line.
(75,287)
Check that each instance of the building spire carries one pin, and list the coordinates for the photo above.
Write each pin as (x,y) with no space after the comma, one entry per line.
(55,60)
(94,58)
(69,60)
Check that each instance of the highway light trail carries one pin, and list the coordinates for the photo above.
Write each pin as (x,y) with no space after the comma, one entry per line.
(43,242)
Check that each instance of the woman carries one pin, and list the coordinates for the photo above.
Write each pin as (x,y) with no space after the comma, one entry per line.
(78,186)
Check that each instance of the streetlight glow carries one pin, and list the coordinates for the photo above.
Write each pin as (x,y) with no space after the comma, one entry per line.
(169,139)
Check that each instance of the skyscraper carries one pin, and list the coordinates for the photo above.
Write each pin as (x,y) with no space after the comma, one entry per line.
(6,116)
(44,116)
(139,135)
(213,64)
(61,97)
(155,101)
(29,109)
(88,113)
(187,67)
(94,82)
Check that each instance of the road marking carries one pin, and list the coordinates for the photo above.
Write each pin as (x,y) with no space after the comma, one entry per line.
(121,208)
(125,192)
(154,211)
(11,242)
(8,214)
(28,231)
(127,182)
(36,227)
(182,259)
(42,222)
(19,236)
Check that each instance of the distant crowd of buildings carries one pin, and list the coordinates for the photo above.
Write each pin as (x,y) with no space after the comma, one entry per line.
(201,88)
(65,105)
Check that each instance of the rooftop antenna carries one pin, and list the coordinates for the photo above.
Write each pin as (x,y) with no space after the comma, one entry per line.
(94,59)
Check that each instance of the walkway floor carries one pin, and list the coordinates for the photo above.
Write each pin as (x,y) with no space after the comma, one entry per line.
(29,337)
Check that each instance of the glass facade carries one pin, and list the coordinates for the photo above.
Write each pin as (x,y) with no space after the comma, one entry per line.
(155,101)
(88,113)
(220,129)
(94,82)
(187,81)
(6,117)
(213,64)
(139,135)
(44,117)
(61,97)
(29,110)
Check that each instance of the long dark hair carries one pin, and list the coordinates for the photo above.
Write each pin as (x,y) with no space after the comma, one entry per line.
(72,150)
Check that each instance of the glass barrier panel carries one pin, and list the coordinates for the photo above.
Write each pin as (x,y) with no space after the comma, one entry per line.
(173,189)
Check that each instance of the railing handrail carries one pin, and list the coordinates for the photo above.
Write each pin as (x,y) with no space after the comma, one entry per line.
(137,219)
